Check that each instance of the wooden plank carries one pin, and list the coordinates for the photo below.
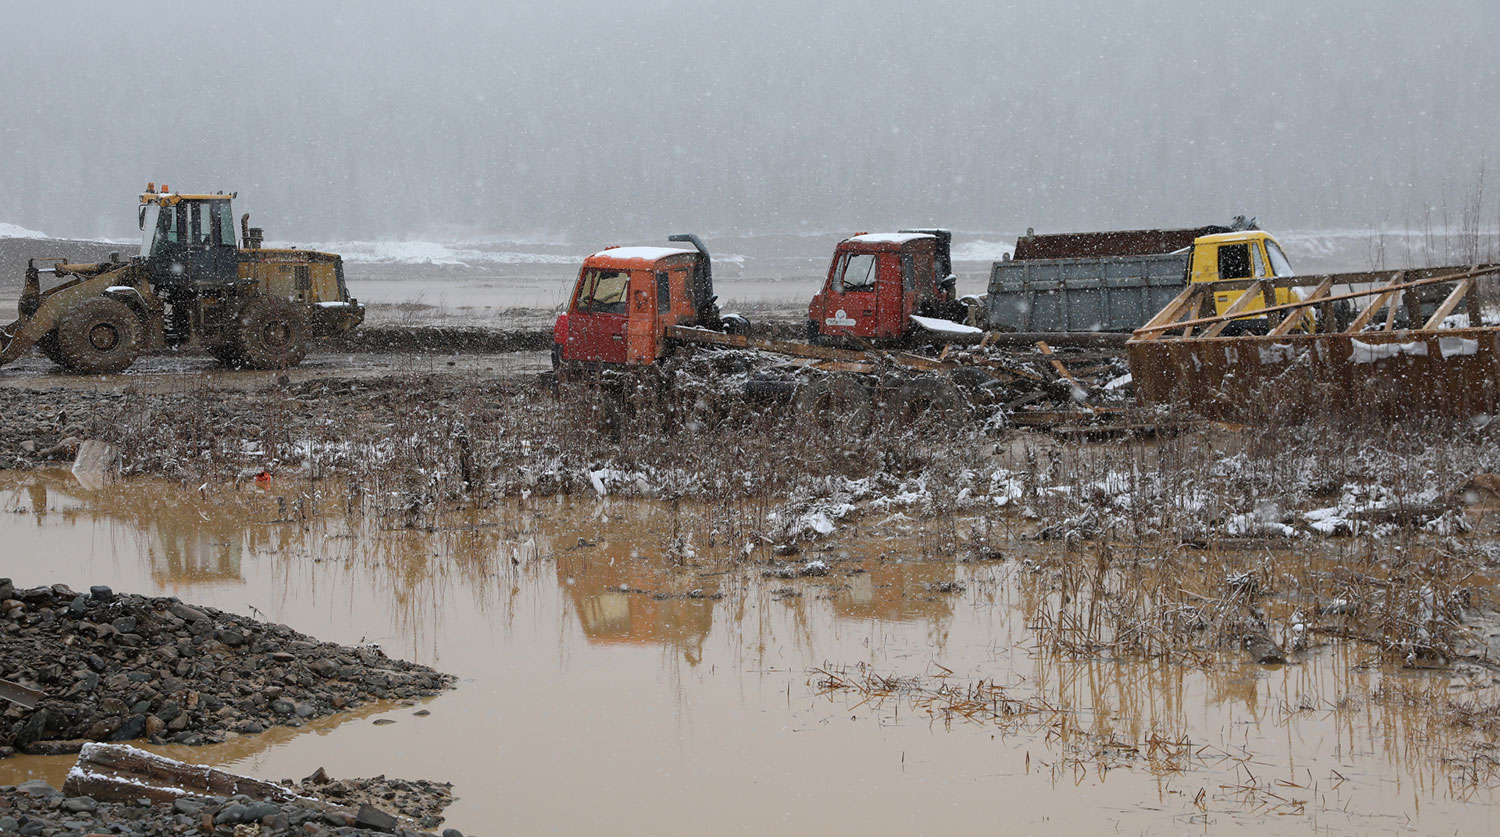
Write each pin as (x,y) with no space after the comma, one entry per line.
(1375,305)
(1292,320)
(1268,301)
(20,695)
(1041,346)
(1170,313)
(1240,304)
(1459,292)
(120,773)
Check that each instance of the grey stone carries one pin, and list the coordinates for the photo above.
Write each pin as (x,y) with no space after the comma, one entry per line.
(184,805)
(125,624)
(255,811)
(37,787)
(230,637)
(369,816)
(452,832)
(80,805)
(231,814)
(185,613)
(102,593)
(8,824)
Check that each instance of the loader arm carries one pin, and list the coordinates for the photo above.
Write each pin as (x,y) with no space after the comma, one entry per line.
(20,336)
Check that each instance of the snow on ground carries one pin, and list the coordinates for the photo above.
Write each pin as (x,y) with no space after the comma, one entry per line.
(13,231)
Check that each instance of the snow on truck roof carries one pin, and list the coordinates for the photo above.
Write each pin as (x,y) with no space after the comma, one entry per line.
(888,238)
(646,254)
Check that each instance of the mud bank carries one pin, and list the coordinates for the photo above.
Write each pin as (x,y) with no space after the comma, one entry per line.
(119,667)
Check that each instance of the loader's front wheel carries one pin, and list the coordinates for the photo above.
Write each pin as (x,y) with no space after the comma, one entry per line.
(270,333)
(99,335)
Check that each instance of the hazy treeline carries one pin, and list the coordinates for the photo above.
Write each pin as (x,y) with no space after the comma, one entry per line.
(588,119)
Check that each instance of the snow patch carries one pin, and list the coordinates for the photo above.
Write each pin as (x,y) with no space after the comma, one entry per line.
(13,231)
(1371,352)
(938,326)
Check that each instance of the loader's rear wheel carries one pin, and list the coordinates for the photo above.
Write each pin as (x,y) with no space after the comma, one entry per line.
(99,335)
(270,333)
(49,347)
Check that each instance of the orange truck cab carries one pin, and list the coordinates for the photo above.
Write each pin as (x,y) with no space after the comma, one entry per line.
(626,298)
(878,282)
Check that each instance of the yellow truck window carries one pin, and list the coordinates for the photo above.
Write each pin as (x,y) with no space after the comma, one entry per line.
(1279,264)
(1234,261)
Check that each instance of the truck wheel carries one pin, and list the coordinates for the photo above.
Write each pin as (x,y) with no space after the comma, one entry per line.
(99,335)
(270,333)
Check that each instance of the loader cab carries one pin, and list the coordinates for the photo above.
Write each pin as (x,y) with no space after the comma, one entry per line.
(875,283)
(623,302)
(188,239)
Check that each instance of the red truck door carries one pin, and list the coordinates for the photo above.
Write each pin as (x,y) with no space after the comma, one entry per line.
(596,321)
(849,300)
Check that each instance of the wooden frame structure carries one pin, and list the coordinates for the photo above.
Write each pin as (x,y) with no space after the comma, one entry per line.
(1379,348)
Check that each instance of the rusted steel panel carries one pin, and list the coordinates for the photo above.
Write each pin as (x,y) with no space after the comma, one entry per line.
(1396,374)
(1113,243)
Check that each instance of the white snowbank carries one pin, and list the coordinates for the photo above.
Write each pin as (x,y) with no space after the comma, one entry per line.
(982,251)
(427,252)
(13,231)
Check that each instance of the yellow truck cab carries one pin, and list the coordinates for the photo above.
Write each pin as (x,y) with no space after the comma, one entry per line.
(1242,254)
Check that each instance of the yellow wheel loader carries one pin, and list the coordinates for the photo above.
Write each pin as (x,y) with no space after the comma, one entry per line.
(191,285)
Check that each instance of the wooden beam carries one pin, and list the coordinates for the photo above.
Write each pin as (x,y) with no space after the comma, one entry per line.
(1376,304)
(1172,312)
(1240,304)
(1459,292)
(1293,319)
(1062,371)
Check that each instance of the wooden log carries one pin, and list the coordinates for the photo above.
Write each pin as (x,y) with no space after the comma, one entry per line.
(20,695)
(121,773)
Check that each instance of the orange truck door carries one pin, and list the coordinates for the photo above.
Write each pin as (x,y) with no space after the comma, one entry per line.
(643,329)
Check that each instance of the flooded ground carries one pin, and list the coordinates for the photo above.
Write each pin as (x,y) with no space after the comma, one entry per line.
(618,673)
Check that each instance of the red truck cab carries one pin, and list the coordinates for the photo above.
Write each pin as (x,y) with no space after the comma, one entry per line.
(624,300)
(876,282)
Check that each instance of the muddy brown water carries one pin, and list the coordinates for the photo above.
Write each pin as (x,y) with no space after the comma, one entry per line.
(607,684)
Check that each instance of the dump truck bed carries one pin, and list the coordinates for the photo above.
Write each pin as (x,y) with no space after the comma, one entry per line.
(1112,293)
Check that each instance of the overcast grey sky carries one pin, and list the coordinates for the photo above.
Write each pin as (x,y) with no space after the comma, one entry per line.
(599,119)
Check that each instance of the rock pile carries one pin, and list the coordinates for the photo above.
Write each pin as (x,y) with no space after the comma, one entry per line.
(35,809)
(121,667)
(418,800)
